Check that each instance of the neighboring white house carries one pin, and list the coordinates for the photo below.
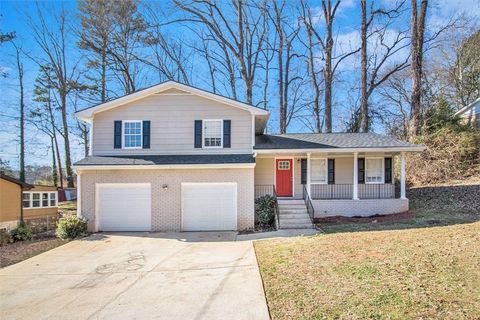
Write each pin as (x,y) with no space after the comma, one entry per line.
(176,158)
(470,114)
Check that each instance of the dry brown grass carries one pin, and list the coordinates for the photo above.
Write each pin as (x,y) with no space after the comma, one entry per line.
(402,274)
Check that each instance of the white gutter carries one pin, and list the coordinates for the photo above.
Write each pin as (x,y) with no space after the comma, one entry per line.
(341,150)
(78,168)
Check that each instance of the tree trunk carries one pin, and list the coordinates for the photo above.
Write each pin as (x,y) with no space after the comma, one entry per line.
(364,98)
(103,80)
(54,163)
(316,88)
(283,111)
(328,73)
(68,161)
(22,118)
(418,29)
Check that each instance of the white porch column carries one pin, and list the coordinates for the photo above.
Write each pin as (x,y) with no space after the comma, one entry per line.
(403,193)
(355,176)
(308,175)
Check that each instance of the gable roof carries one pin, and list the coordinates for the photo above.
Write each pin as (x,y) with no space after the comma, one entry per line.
(88,113)
(16,181)
(467,108)
(333,142)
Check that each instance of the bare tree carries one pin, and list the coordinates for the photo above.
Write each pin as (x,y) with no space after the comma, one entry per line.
(331,60)
(21,105)
(53,43)
(243,36)
(417,25)
(314,74)
(42,116)
(97,25)
(375,69)
(127,37)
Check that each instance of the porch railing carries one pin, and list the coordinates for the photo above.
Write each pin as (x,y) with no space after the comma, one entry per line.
(345,191)
(308,204)
(264,189)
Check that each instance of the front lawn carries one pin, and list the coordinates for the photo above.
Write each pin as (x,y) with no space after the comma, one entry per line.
(426,267)
(403,274)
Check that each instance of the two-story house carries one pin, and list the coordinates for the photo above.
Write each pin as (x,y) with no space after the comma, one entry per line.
(176,158)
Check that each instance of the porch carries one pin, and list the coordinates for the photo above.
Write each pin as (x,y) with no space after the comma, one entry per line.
(355,184)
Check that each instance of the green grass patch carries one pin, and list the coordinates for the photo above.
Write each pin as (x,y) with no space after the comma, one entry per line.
(415,272)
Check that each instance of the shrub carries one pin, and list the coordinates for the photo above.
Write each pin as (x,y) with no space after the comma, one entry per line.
(5,237)
(71,227)
(265,211)
(21,233)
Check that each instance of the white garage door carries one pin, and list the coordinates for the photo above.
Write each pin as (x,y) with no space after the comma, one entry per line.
(124,207)
(209,206)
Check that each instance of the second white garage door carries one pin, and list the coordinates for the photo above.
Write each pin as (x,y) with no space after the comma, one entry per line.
(123,206)
(209,206)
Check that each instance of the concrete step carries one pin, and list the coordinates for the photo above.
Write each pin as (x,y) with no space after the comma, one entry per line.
(293,211)
(296,226)
(295,221)
(290,201)
(292,206)
(293,214)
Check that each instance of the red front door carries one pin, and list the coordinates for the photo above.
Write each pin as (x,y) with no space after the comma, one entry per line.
(284,177)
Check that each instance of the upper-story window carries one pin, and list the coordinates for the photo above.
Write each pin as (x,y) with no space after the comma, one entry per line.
(374,172)
(132,134)
(212,133)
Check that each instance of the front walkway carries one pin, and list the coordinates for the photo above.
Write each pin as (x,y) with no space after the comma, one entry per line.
(138,275)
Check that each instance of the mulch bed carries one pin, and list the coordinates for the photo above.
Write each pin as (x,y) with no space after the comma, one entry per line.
(18,251)
(373,219)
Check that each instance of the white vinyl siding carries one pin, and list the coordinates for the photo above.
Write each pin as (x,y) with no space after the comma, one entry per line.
(374,170)
(172,125)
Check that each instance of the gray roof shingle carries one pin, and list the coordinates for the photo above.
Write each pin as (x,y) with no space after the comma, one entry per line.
(165,159)
(328,141)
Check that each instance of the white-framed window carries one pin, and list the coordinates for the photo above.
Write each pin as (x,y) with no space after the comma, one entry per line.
(318,171)
(283,165)
(132,134)
(374,170)
(53,199)
(36,200)
(46,199)
(212,133)
(26,200)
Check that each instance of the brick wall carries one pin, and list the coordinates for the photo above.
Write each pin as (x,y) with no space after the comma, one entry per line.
(166,204)
(362,208)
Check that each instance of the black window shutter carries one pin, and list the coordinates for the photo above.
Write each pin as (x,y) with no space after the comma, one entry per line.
(304,171)
(388,170)
(117,134)
(198,133)
(146,134)
(361,170)
(227,124)
(331,171)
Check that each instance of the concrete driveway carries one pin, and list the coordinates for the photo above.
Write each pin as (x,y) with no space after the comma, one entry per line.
(137,276)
